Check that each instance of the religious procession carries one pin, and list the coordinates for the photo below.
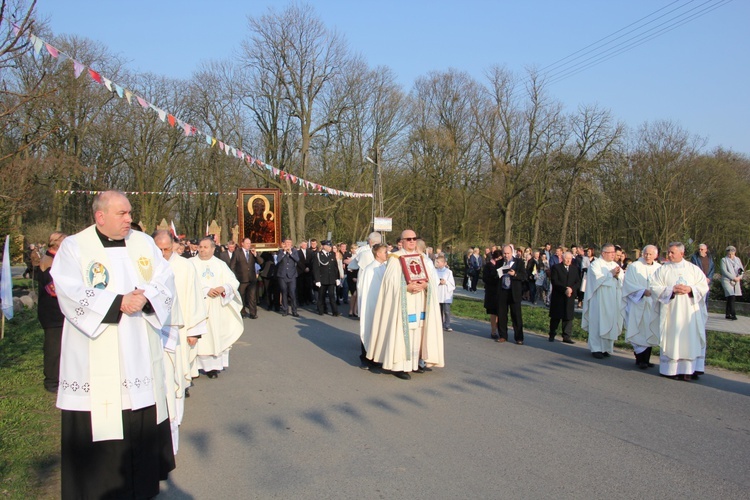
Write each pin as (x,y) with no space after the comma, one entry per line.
(131,320)
(337,205)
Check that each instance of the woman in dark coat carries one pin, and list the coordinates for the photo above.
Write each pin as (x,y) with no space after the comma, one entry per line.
(491,283)
(49,314)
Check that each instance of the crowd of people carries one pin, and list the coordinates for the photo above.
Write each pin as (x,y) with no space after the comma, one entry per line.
(131,320)
(657,302)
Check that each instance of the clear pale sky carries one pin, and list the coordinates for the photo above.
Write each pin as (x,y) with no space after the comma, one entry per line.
(696,75)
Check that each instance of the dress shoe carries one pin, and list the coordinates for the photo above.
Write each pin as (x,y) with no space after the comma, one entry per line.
(734,318)
(285,314)
(551,338)
(605,354)
(402,375)
(245,315)
(320,314)
(494,336)
(568,341)
(336,315)
(212,374)
(501,340)
(295,315)
(519,342)
(598,355)
(643,366)
(187,393)
(253,316)
(419,370)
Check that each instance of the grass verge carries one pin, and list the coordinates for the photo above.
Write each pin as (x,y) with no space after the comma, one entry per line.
(29,421)
(723,350)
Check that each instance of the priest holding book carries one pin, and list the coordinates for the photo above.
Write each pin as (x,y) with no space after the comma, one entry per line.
(407,331)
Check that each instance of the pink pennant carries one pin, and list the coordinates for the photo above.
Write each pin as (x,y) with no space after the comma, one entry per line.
(52,51)
(142,101)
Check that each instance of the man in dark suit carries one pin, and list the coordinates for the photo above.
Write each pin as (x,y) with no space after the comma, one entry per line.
(326,277)
(268,275)
(304,275)
(311,252)
(243,265)
(509,295)
(286,275)
(226,255)
(566,280)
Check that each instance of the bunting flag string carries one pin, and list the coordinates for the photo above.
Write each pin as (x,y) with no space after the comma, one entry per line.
(177,193)
(188,129)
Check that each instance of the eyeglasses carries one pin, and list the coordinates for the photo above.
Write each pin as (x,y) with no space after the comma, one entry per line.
(410,239)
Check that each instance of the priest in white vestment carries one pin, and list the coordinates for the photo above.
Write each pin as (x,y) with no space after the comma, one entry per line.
(224,308)
(363,258)
(602,317)
(681,287)
(641,307)
(183,333)
(115,290)
(368,288)
(406,319)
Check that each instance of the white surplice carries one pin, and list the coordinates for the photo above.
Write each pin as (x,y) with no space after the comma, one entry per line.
(641,312)
(106,368)
(602,317)
(368,289)
(682,318)
(179,356)
(224,314)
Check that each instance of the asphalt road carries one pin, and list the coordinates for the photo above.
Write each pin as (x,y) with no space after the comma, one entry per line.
(295,418)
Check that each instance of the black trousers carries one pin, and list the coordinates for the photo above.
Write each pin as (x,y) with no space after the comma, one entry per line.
(128,468)
(567,327)
(52,342)
(272,293)
(506,302)
(288,288)
(731,313)
(331,291)
(248,292)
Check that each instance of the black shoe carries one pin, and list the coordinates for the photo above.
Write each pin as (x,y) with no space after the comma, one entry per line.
(295,315)
(605,354)
(419,370)
(598,355)
(336,315)
(734,318)
(643,366)
(519,342)
(252,316)
(568,341)
(551,338)
(212,374)
(320,314)
(402,375)
(51,389)
(285,313)
(187,393)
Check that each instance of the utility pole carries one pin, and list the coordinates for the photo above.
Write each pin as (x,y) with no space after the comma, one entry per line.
(377,189)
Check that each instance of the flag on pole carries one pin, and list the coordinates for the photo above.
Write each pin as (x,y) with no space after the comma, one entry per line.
(172,228)
(6,285)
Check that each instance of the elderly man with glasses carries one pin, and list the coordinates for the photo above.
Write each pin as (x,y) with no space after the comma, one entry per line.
(407,330)
(602,318)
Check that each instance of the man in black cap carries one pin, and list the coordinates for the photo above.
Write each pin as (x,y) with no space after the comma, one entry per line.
(326,277)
